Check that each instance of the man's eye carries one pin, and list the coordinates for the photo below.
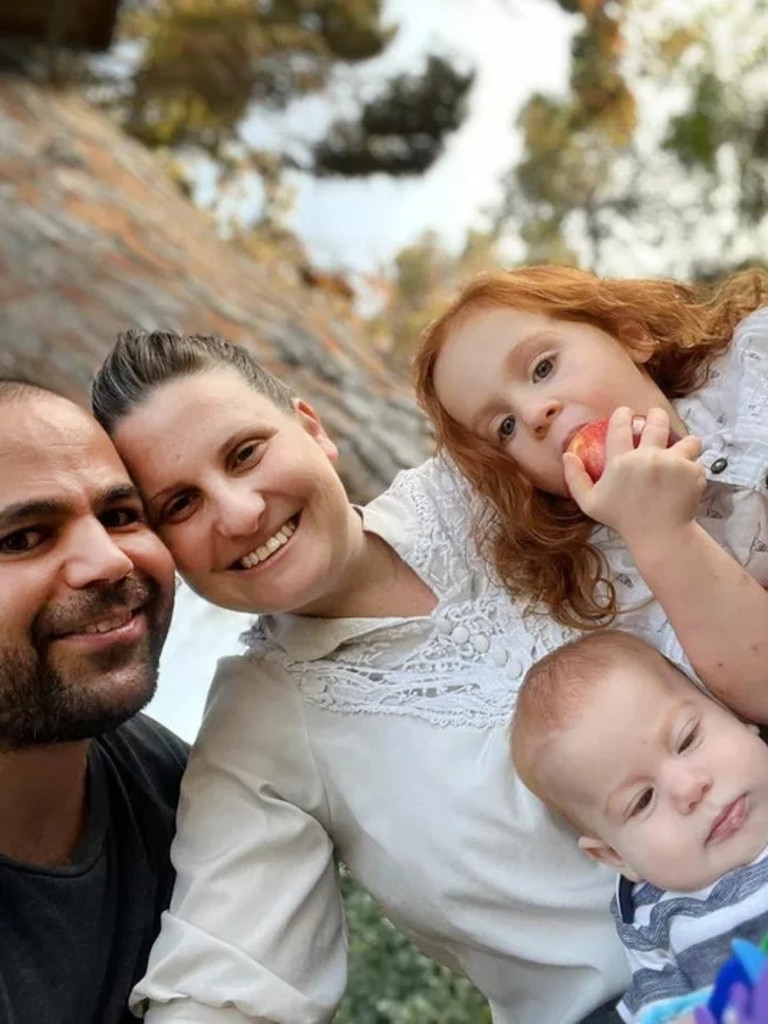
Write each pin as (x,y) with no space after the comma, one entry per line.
(642,802)
(119,518)
(543,369)
(507,427)
(20,542)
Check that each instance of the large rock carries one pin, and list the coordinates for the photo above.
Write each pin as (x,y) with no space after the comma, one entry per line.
(94,238)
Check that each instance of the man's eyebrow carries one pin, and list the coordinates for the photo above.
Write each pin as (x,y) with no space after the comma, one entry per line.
(46,508)
(20,511)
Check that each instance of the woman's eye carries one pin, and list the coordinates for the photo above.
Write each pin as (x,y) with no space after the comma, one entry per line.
(20,542)
(542,369)
(507,427)
(176,509)
(642,802)
(246,454)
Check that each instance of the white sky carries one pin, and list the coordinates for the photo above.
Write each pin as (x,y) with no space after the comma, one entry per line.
(518,46)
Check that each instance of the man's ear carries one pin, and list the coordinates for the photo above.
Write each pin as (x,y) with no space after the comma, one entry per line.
(313,425)
(605,854)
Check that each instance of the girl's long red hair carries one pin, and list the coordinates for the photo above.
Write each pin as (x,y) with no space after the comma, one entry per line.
(540,543)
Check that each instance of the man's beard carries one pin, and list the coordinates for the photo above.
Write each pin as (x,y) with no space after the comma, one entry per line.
(42,703)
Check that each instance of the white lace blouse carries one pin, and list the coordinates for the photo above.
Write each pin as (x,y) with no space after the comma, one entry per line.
(384,742)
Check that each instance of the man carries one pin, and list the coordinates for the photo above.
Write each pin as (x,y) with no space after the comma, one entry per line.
(88,788)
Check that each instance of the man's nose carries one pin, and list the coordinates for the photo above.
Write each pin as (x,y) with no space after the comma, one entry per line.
(94,556)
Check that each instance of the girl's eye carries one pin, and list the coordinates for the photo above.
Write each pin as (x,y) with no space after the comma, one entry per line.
(642,802)
(21,542)
(507,427)
(542,369)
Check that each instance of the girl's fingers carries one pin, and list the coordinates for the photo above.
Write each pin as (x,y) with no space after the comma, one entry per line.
(577,479)
(655,433)
(690,447)
(618,437)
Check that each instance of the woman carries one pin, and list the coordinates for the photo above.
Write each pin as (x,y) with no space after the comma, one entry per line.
(368,719)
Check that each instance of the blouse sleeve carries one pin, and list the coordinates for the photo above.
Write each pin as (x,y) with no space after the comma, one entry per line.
(255,929)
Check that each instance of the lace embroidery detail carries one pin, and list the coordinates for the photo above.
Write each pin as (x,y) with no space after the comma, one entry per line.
(463,664)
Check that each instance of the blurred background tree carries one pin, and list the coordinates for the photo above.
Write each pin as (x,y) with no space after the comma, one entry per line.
(653,162)
(194,71)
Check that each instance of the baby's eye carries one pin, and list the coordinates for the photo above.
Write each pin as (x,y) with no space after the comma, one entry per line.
(543,369)
(507,427)
(688,739)
(21,542)
(642,802)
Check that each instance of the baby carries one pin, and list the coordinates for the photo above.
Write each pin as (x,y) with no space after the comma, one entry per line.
(663,784)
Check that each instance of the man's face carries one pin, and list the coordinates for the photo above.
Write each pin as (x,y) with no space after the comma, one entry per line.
(86,588)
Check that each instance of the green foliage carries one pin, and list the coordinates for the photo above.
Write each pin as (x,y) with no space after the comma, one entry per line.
(390,982)
(661,141)
(196,70)
(401,131)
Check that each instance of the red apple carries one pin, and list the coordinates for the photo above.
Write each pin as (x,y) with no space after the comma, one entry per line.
(589,443)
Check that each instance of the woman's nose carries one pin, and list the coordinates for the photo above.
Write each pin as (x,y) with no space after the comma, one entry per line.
(238,510)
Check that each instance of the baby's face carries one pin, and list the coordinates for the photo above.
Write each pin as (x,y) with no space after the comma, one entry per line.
(669,786)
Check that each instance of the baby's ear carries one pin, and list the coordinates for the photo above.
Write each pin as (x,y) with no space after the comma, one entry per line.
(605,854)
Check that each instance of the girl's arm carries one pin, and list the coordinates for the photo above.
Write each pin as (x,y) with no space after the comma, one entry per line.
(718,611)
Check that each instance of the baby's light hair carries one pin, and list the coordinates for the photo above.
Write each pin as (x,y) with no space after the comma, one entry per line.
(555,692)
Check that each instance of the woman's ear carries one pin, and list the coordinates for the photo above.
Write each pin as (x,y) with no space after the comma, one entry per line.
(313,425)
(605,854)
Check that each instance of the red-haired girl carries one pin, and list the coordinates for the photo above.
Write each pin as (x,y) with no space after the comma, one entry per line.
(523,359)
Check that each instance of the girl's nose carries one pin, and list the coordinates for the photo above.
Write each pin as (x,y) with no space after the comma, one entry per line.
(541,413)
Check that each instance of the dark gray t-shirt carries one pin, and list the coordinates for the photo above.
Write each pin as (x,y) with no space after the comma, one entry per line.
(74,940)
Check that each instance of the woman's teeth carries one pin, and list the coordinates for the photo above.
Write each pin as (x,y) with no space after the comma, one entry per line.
(261,554)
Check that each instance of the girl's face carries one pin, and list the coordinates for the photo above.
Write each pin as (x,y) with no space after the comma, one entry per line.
(243,493)
(526,383)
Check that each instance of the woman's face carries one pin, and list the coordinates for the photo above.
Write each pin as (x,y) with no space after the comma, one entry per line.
(243,493)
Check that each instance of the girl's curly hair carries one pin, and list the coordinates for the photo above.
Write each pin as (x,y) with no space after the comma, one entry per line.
(540,543)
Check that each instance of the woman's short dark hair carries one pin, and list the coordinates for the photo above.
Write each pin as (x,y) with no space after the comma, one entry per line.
(142,361)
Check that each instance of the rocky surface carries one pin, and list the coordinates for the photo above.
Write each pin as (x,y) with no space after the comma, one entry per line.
(94,238)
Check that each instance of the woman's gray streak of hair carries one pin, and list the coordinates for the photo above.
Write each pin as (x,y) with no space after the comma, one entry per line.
(142,361)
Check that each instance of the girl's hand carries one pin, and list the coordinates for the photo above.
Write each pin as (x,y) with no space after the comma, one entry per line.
(646,492)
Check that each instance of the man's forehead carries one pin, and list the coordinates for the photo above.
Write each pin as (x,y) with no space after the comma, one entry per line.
(44,438)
